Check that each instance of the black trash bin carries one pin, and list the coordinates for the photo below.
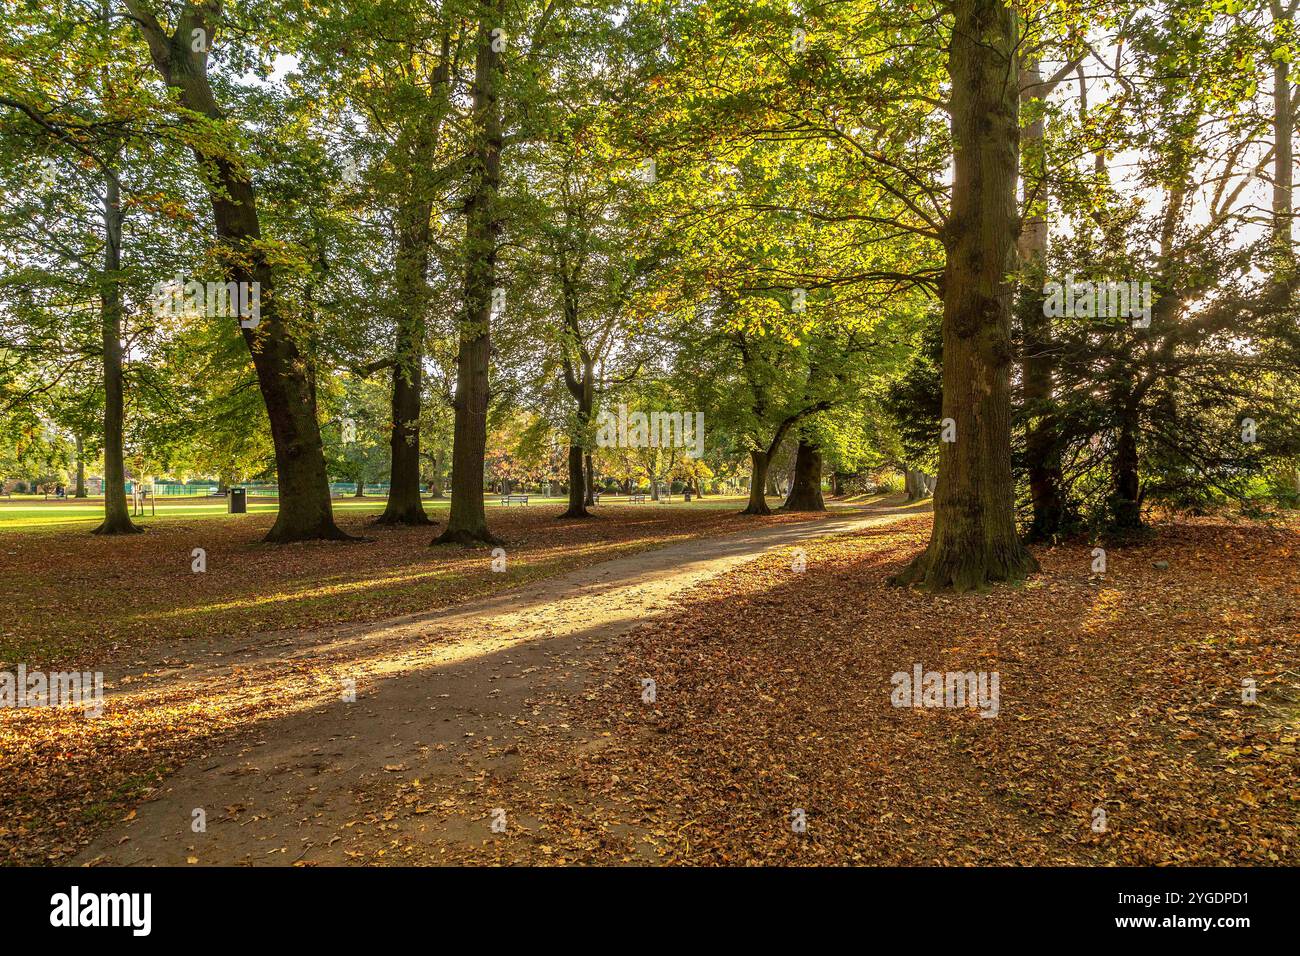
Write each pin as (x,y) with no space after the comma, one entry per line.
(238,501)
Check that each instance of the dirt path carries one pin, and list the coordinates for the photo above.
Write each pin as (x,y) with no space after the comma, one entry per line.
(441,700)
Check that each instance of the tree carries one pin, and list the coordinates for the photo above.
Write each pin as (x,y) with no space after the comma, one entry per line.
(181,58)
(974,540)
(467,521)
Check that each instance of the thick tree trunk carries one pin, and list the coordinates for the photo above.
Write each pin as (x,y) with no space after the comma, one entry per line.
(806,490)
(591,480)
(404,505)
(576,483)
(974,540)
(283,371)
(1128,504)
(467,521)
(759,462)
(81,468)
(361,489)
(117,519)
(910,484)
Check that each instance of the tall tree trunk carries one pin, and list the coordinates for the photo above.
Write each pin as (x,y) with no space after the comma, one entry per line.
(413,233)
(576,508)
(974,540)
(361,489)
(435,481)
(1283,157)
(1127,510)
(1042,449)
(758,465)
(591,480)
(806,491)
(117,519)
(583,391)
(414,153)
(283,371)
(467,520)
(81,467)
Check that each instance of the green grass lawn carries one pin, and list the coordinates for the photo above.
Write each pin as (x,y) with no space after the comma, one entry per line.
(34,512)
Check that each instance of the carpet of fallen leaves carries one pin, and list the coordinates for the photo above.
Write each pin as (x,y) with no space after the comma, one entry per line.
(132,608)
(75,599)
(1121,692)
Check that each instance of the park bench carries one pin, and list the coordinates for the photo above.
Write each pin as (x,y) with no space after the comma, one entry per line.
(635,498)
(510,499)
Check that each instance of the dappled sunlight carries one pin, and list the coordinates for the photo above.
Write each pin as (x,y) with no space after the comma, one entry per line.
(1107,609)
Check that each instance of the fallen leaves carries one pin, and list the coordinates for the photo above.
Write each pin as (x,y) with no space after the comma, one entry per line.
(1123,694)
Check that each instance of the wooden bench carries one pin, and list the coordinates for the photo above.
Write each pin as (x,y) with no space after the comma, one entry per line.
(635,498)
(509,499)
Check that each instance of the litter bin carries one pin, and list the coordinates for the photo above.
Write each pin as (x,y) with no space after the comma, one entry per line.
(238,501)
(687,494)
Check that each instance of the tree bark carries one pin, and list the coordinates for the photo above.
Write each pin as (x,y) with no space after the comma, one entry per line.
(361,489)
(583,390)
(467,520)
(283,371)
(81,467)
(414,236)
(806,491)
(117,518)
(1127,509)
(404,505)
(758,465)
(974,540)
(1042,448)
(591,480)
(576,503)
(1283,160)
